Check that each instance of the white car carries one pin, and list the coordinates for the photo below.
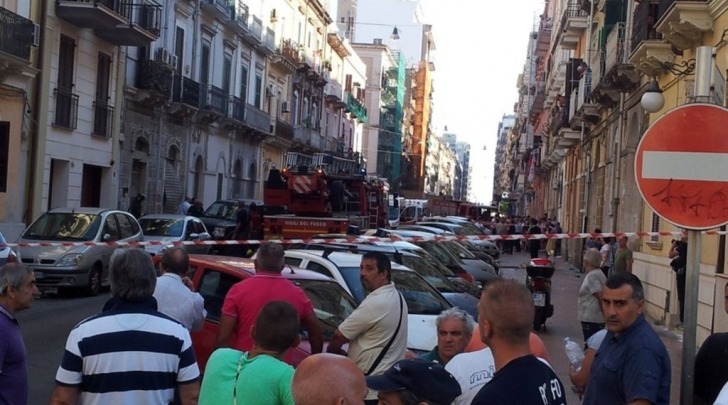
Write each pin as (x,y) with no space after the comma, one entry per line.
(166,229)
(423,300)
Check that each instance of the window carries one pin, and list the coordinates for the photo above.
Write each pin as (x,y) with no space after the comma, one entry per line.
(205,64)
(102,110)
(227,67)
(258,89)
(179,46)
(243,83)
(214,286)
(655,228)
(319,268)
(111,228)
(126,229)
(4,154)
(66,101)
(292,261)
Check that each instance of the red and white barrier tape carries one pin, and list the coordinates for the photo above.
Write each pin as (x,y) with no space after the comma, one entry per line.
(353,239)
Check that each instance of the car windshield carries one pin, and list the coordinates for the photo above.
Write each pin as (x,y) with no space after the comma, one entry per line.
(470,229)
(221,210)
(421,297)
(434,263)
(439,252)
(331,302)
(162,226)
(430,273)
(460,250)
(64,226)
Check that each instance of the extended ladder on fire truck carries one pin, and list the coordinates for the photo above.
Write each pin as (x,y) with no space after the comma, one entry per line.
(336,166)
(295,160)
(373,211)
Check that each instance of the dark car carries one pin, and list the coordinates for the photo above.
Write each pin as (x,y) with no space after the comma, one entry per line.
(212,277)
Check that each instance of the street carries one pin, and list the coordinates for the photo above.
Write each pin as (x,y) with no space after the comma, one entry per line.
(46,325)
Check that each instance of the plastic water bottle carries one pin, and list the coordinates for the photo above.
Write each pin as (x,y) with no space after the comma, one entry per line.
(574,352)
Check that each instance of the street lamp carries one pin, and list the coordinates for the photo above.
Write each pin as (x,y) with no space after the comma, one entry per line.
(652,100)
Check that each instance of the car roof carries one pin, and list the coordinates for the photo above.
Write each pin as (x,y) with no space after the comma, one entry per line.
(81,210)
(407,232)
(245,265)
(355,247)
(448,224)
(343,259)
(169,216)
(424,228)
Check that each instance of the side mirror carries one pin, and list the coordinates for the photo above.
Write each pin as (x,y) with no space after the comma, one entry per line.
(107,237)
(203,236)
(194,236)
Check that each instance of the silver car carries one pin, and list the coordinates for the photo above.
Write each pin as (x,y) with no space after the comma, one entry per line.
(166,229)
(76,264)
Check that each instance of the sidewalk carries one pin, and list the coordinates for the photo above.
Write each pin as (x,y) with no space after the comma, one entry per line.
(565,286)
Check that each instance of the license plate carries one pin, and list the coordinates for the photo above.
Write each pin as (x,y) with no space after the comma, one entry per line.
(39,275)
(539,299)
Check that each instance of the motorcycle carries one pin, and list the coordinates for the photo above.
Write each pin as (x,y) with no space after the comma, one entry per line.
(539,272)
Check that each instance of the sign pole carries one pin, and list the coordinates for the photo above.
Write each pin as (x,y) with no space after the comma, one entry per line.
(703,68)
(690,314)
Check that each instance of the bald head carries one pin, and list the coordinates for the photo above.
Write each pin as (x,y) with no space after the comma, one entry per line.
(327,379)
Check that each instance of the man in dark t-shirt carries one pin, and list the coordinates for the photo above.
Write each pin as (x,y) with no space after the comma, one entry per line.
(711,373)
(505,319)
(242,222)
(534,244)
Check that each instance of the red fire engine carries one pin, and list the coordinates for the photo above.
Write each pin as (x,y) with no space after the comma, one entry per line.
(325,194)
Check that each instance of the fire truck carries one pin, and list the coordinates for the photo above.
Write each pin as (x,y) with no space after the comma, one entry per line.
(325,194)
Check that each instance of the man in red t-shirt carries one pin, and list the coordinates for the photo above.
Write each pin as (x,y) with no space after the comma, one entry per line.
(245,299)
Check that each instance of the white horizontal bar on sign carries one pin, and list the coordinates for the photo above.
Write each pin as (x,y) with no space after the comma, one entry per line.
(699,166)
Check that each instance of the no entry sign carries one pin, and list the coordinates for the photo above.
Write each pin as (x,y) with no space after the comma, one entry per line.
(681,166)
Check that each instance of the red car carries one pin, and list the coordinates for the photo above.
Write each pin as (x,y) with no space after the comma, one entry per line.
(214,275)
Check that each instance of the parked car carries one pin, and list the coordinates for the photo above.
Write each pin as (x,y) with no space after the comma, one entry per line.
(423,301)
(76,265)
(220,217)
(166,229)
(440,278)
(212,276)
(7,254)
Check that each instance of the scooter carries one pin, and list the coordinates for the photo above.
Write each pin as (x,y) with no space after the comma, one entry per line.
(539,272)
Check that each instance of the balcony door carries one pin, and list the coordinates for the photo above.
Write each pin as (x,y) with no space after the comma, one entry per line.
(64,91)
(102,110)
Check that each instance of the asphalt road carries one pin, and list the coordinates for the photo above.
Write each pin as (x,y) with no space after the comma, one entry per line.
(45,327)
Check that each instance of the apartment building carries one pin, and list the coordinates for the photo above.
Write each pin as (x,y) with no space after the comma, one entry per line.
(593,62)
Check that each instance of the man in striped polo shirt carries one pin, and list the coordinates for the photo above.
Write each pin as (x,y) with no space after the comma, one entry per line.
(129,353)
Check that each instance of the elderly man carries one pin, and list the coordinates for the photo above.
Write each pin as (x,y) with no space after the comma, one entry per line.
(328,379)
(505,319)
(130,353)
(17,292)
(454,330)
(174,293)
(589,302)
(377,330)
(632,347)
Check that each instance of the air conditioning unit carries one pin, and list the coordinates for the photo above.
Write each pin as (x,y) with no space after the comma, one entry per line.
(270,90)
(162,55)
(286,106)
(36,35)
(173,61)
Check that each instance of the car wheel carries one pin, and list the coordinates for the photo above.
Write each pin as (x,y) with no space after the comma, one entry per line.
(94,281)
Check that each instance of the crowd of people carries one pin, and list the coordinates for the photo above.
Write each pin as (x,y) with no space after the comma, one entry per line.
(138,349)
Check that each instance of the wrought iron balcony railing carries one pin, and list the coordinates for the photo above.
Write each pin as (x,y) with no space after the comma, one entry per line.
(16,34)
(186,91)
(103,119)
(66,114)
(237,109)
(215,99)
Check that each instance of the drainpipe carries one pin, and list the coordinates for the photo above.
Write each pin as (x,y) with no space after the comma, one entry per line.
(116,129)
(40,117)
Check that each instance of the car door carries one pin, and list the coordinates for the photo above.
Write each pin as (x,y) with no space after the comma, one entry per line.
(213,285)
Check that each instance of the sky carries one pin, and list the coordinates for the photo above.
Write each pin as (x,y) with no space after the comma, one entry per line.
(481,49)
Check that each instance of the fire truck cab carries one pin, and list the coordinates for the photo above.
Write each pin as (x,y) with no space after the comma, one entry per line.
(325,186)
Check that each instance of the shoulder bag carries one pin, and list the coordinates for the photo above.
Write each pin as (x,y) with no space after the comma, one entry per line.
(389,344)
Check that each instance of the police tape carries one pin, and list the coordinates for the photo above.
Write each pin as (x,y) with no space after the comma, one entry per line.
(362,238)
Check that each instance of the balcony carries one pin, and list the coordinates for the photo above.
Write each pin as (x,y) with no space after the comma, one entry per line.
(269,42)
(153,82)
(236,113)
(240,18)
(284,130)
(16,40)
(221,9)
(103,119)
(66,114)
(560,120)
(286,56)
(573,24)
(254,36)
(257,119)
(622,75)
(538,99)
(134,23)
(214,104)
(337,44)
(684,23)
(185,96)
(581,108)
(356,108)
(310,137)
(543,37)
(649,52)
(334,93)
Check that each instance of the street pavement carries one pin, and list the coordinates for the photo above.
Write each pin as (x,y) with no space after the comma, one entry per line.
(564,292)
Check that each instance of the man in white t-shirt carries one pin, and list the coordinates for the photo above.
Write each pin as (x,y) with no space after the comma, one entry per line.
(472,370)
(377,330)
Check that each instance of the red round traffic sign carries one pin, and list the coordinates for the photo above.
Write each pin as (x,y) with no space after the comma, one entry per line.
(681,166)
